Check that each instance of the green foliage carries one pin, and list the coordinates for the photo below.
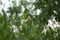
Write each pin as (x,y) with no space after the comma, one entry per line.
(28,26)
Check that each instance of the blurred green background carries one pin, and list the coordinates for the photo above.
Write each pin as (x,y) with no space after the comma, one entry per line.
(29,19)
